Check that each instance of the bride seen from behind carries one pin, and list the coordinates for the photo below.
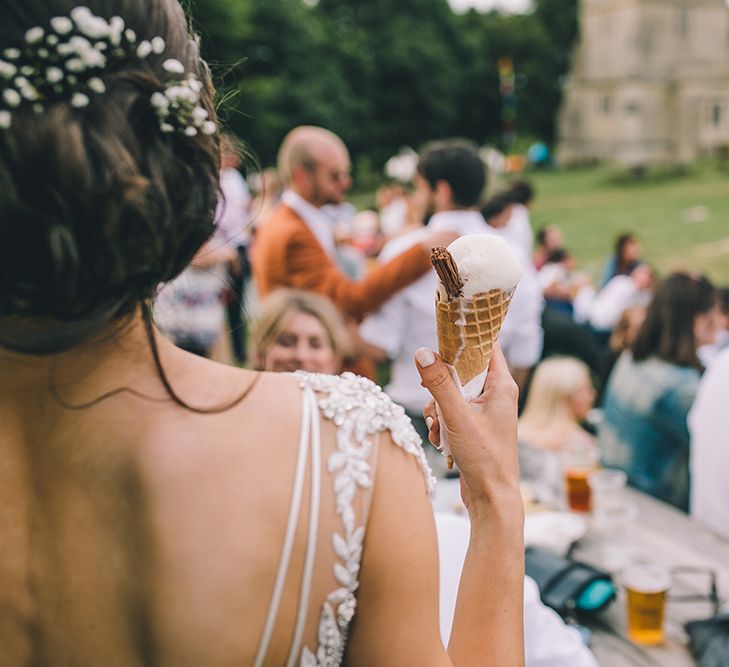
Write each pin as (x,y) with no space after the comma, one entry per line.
(158,507)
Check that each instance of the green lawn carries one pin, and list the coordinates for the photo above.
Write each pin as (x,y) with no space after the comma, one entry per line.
(592,206)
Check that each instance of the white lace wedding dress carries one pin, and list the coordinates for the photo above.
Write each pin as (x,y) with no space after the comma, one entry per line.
(333,483)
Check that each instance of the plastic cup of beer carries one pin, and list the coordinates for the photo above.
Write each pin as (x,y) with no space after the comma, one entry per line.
(646,589)
(580,461)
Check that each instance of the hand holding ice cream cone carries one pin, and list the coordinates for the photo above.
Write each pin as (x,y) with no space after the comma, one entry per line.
(478,274)
(481,433)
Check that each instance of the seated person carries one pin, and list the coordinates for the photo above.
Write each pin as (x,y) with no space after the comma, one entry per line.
(298,330)
(624,260)
(621,292)
(653,386)
(560,397)
(621,339)
(561,284)
(549,238)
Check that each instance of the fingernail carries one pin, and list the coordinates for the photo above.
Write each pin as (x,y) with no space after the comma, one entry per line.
(424,357)
(429,422)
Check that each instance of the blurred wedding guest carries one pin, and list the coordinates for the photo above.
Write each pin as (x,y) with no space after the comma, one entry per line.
(519,228)
(522,334)
(549,238)
(159,508)
(621,293)
(707,353)
(653,386)
(563,287)
(560,396)
(497,213)
(340,215)
(190,309)
(299,331)
(358,243)
(232,220)
(193,308)
(392,205)
(296,247)
(625,258)
(268,194)
(621,340)
(709,451)
(449,181)
(626,330)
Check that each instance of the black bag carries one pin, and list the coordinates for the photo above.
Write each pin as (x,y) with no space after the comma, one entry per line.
(567,586)
(710,641)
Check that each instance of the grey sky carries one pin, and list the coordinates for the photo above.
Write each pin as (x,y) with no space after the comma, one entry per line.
(483,5)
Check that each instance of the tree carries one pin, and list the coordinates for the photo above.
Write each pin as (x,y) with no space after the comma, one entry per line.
(539,45)
(273,60)
(409,51)
(381,74)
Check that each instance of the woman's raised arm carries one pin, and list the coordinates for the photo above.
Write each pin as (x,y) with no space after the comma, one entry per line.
(397,617)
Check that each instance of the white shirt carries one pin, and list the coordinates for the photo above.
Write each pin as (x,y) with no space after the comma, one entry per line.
(709,451)
(548,640)
(707,353)
(232,216)
(611,301)
(394,216)
(318,222)
(518,231)
(407,320)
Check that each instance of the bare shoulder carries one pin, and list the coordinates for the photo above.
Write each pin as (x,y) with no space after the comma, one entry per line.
(256,432)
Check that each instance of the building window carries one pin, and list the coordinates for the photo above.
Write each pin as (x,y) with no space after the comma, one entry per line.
(717,114)
(632,107)
(606,104)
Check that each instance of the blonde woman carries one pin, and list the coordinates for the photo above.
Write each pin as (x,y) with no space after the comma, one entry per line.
(299,331)
(560,396)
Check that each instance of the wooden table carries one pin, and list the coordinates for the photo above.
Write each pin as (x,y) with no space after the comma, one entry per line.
(657,534)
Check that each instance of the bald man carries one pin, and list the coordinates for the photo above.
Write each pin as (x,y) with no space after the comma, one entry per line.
(295,247)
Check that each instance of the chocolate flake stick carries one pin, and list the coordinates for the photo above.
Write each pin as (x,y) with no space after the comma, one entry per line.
(445,267)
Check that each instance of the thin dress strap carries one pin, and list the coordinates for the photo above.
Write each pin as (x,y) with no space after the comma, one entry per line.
(283,566)
(308,436)
(308,573)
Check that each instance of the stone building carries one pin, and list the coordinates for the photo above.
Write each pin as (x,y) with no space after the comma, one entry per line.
(649,83)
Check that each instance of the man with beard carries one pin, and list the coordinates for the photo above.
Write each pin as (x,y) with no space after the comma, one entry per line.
(296,247)
(451,178)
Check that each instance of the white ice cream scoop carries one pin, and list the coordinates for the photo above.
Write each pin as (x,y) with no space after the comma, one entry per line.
(485,262)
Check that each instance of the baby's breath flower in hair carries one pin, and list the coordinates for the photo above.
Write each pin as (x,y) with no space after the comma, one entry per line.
(178,108)
(66,63)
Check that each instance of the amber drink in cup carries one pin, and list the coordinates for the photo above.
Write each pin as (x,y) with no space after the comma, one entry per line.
(646,588)
(580,461)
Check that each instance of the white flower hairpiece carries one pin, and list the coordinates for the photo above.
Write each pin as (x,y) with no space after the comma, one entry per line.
(67,61)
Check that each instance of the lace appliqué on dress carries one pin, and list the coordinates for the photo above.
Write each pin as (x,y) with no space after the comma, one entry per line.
(359,409)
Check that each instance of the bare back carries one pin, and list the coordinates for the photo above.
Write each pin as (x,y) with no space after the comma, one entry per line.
(136,532)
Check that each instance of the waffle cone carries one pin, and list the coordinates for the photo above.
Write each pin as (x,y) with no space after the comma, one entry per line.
(468,328)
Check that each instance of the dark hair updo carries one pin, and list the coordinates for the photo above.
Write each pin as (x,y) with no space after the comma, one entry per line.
(98,206)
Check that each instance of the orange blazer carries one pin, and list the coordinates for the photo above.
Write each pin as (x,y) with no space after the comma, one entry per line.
(287,254)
